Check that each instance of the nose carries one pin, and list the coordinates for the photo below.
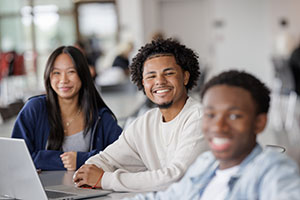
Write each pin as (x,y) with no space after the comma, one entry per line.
(160,79)
(64,78)
(220,125)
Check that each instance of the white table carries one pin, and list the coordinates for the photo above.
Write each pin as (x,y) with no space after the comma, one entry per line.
(50,178)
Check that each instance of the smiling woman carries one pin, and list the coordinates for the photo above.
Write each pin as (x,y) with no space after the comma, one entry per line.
(47,123)
(64,78)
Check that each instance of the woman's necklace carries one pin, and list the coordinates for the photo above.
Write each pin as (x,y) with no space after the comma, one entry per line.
(69,122)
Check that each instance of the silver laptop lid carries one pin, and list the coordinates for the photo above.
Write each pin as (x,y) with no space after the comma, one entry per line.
(19,178)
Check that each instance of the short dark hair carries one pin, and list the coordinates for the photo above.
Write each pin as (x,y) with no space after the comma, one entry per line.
(186,58)
(259,92)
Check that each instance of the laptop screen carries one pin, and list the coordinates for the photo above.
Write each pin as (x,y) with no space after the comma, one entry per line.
(20,180)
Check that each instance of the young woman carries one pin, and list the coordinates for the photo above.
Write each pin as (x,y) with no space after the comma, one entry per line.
(69,124)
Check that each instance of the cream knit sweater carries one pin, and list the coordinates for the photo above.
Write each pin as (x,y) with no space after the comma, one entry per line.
(151,154)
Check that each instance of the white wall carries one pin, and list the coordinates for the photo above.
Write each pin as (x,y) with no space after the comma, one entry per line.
(244,41)
(151,18)
(241,42)
(131,20)
(188,21)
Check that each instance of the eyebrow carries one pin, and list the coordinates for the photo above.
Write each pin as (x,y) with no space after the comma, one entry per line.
(71,67)
(166,69)
(230,109)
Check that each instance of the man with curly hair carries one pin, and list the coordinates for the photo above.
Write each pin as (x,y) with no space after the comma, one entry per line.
(235,108)
(157,148)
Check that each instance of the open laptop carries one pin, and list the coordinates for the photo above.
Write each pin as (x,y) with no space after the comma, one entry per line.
(19,178)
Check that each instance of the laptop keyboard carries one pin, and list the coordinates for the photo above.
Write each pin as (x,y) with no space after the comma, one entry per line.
(55,194)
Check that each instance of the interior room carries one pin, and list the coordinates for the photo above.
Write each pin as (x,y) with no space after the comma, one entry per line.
(252,35)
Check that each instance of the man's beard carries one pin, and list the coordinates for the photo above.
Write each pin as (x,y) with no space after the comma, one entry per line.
(165,105)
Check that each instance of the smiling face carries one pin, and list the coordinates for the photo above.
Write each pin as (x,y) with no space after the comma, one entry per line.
(164,82)
(230,123)
(64,78)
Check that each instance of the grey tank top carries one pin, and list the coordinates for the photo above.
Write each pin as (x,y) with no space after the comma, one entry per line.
(77,142)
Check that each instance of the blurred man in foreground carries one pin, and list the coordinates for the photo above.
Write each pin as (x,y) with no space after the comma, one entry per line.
(235,111)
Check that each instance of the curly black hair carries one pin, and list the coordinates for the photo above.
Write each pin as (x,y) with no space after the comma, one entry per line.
(259,92)
(186,58)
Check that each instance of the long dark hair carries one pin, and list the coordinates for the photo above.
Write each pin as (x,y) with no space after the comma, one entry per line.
(89,99)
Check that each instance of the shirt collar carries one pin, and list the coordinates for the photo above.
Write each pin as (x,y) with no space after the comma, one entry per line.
(255,152)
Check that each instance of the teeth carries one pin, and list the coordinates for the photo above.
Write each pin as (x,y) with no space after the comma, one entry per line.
(220,141)
(161,91)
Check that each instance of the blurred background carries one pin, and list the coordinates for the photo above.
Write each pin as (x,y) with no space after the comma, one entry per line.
(260,37)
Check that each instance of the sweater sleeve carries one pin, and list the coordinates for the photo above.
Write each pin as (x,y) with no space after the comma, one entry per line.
(127,169)
(187,187)
(119,155)
(190,146)
(31,125)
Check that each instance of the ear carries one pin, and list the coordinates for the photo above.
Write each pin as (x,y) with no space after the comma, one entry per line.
(260,123)
(186,77)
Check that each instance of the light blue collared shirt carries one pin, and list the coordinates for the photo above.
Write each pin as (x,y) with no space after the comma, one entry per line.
(263,175)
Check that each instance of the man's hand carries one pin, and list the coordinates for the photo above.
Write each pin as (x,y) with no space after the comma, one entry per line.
(88,174)
(69,160)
